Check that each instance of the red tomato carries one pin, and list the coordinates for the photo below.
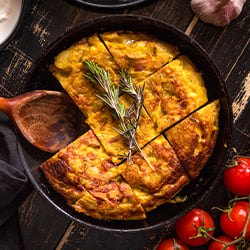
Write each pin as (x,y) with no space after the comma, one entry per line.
(237,179)
(185,228)
(234,226)
(215,245)
(169,244)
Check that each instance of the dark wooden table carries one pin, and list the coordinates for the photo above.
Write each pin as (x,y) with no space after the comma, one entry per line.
(42,226)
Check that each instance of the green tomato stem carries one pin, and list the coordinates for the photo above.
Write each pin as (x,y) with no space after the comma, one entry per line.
(243,232)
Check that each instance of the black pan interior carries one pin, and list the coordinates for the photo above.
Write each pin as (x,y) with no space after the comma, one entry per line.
(198,188)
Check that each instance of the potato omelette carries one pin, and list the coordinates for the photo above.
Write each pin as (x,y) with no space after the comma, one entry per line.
(177,128)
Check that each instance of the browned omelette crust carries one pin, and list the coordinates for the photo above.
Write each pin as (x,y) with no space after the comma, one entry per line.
(69,68)
(173,92)
(115,200)
(143,54)
(154,187)
(85,176)
(103,123)
(194,138)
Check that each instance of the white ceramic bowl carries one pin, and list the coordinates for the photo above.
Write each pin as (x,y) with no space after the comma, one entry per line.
(10,12)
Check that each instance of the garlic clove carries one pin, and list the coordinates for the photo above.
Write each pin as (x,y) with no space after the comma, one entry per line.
(217,12)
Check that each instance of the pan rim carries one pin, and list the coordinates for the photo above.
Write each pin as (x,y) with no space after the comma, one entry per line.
(109,6)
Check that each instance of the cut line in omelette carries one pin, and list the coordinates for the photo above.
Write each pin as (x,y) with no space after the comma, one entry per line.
(68,68)
(194,138)
(103,123)
(143,54)
(155,186)
(173,92)
(84,175)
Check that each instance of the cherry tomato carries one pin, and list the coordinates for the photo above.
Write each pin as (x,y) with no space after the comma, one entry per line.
(237,179)
(234,225)
(169,244)
(215,245)
(185,228)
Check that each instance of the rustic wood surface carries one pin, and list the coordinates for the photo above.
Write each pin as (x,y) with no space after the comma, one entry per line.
(42,226)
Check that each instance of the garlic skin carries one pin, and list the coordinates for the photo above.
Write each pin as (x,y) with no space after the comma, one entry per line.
(217,12)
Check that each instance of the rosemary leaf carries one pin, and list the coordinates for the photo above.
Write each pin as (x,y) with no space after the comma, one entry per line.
(127,84)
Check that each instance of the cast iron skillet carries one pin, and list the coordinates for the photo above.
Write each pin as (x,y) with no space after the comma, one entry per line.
(197,190)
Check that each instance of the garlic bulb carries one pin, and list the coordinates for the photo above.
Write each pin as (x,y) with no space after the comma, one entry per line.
(217,12)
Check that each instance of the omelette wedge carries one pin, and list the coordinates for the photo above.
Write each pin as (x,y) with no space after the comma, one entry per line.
(68,68)
(156,186)
(194,138)
(173,92)
(85,176)
(114,200)
(143,54)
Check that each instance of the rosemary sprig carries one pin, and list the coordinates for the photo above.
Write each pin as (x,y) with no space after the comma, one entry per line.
(128,118)
(110,94)
(136,93)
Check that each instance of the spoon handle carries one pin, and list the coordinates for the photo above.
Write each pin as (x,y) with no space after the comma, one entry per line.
(5,106)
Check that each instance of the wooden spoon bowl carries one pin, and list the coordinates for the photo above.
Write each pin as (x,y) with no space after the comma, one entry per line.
(47,119)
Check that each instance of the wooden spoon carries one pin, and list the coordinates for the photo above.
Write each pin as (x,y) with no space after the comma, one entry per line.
(47,119)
